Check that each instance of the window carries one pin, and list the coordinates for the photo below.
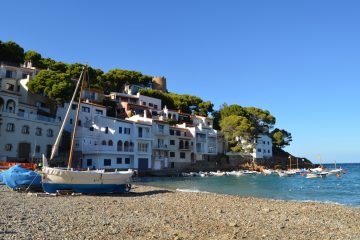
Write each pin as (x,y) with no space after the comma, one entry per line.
(74,106)
(119,146)
(172,165)
(37,148)
(106,129)
(103,143)
(151,105)
(182,155)
(25,129)
(144,103)
(9,74)
(38,131)
(110,142)
(118,160)
(161,128)
(259,150)
(127,160)
(172,142)
(10,87)
(8,147)
(85,109)
(24,75)
(172,154)
(171,132)
(49,133)
(143,147)
(89,162)
(140,132)
(268,151)
(120,130)
(77,143)
(268,143)
(155,106)
(91,129)
(79,122)
(98,111)
(71,121)
(10,127)
(127,130)
(107,162)
(178,133)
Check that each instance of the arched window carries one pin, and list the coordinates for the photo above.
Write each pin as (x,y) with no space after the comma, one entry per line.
(110,142)
(10,106)
(1,104)
(131,148)
(103,142)
(126,146)
(119,146)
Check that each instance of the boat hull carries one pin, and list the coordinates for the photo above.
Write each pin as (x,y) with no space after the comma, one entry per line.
(86,188)
(55,179)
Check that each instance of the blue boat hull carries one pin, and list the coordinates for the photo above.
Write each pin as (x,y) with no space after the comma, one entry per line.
(87,188)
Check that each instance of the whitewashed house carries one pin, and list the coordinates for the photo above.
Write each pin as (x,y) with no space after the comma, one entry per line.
(27,128)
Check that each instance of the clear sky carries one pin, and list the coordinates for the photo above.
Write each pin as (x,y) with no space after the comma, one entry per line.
(298,59)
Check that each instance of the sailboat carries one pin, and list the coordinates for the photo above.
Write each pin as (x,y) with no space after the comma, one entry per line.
(290,172)
(90,181)
(335,170)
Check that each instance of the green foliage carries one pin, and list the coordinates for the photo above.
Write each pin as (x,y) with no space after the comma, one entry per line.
(11,52)
(34,57)
(115,79)
(234,109)
(184,102)
(57,86)
(262,119)
(234,127)
(280,138)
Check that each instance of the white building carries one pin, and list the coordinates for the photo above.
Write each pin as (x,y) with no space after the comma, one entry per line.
(27,129)
(262,147)
(109,143)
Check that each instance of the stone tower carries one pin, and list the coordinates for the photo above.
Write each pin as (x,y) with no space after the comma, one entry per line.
(159,83)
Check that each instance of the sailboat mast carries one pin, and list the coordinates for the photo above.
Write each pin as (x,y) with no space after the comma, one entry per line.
(76,121)
(290,161)
(56,145)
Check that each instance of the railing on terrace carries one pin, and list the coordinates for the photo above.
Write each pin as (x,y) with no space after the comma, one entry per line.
(31,116)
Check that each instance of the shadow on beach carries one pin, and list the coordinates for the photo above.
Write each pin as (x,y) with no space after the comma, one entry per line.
(133,194)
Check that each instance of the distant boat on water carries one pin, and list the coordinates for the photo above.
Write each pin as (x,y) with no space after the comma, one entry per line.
(90,181)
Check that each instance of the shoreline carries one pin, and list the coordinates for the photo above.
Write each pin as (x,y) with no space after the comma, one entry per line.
(149,212)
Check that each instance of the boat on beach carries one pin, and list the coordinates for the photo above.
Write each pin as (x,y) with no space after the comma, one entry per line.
(18,177)
(89,181)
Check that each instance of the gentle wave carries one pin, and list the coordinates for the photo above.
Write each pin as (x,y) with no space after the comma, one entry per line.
(190,190)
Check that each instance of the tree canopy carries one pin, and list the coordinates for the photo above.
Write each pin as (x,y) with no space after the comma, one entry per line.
(258,121)
(115,79)
(11,52)
(280,138)
(184,102)
(57,86)
(235,127)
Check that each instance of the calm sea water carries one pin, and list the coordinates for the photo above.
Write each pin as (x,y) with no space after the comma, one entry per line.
(344,190)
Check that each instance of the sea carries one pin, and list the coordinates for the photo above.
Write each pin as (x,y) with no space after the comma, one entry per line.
(343,190)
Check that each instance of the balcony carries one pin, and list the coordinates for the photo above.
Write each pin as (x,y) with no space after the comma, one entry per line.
(160,147)
(31,116)
(160,158)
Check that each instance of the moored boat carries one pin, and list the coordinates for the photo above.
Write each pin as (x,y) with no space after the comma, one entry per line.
(97,181)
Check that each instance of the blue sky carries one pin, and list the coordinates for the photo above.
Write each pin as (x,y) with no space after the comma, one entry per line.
(298,59)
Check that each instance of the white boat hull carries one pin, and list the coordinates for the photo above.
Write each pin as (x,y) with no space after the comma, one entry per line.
(55,179)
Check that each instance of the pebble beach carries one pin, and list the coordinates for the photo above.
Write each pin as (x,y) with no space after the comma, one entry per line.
(155,213)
